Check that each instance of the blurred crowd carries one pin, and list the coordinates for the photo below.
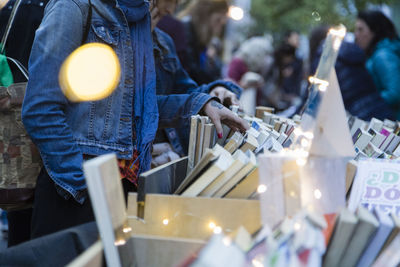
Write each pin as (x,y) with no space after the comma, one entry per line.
(188,44)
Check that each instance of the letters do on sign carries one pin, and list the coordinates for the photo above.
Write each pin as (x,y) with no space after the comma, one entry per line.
(377,185)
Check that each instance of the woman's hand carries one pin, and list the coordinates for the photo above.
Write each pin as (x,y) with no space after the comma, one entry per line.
(225,96)
(220,114)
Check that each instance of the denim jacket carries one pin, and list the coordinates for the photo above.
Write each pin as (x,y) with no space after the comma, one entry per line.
(64,131)
(173,79)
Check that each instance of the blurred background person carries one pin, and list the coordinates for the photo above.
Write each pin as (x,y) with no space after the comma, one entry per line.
(203,20)
(171,78)
(360,96)
(251,67)
(377,36)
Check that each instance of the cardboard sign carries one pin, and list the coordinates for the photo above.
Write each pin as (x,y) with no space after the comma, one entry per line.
(377,185)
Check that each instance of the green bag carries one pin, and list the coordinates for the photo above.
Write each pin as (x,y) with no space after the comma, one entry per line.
(6,78)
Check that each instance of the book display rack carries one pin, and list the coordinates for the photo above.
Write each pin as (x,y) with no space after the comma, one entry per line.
(321,189)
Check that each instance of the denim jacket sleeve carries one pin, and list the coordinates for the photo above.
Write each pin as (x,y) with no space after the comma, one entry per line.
(183,84)
(175,108)
(43,112)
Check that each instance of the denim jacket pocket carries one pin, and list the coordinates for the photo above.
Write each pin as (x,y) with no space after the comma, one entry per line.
(104,34)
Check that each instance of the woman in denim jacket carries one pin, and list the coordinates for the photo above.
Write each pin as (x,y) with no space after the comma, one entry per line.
(123,123)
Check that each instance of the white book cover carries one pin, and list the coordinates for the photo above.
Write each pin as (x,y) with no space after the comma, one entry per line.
(376,185)
(250,165)
(240,159)
(223,162)
(106,194)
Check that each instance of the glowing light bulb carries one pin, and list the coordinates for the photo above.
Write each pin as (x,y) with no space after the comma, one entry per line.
(261,188)
(305,142)
(212,225)
(257,263)
(119,242)
(127,229)
(298,132)
(236,13)
(301,161)
(217,230)
(227,241)
(309,135)
(165,221)
(340,31)
(317,194)
(297,226)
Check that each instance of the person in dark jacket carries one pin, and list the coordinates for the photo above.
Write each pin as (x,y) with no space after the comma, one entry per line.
(173,79)
(377,36)
(203,20)
(359,94)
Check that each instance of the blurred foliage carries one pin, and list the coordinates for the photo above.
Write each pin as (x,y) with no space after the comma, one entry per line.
(279,16)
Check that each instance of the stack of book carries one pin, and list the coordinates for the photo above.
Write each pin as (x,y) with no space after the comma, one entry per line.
(297,241)
(229,169)
(360,238)
(348,239)
(376,139)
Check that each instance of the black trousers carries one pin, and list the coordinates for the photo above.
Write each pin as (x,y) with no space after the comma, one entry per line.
(52,212)
(19,226)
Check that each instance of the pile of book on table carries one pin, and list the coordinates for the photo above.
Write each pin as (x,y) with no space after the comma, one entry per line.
(348,239)
(376,139)
(227,167)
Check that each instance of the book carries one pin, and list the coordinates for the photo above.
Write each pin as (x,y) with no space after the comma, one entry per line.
(366,226)
(372,151)
(210,156)
(355,124)
(219,166)
(217,252)
(225,133)
(374,186)
(250,143)
(375,124)
(251,164)
(390,257)
(377,241)
(377,138)
(164,179)
(239,161)
(351,169)
(192,142)
(393,144)
(260,110)
(345,225)
(361,139)
(199,141)
(395,230)
(234,142)
(105,190)
(385,144)
(209,136)
(247,187)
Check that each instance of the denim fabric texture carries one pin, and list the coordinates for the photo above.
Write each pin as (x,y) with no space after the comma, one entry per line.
(64,131)
(173,79)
